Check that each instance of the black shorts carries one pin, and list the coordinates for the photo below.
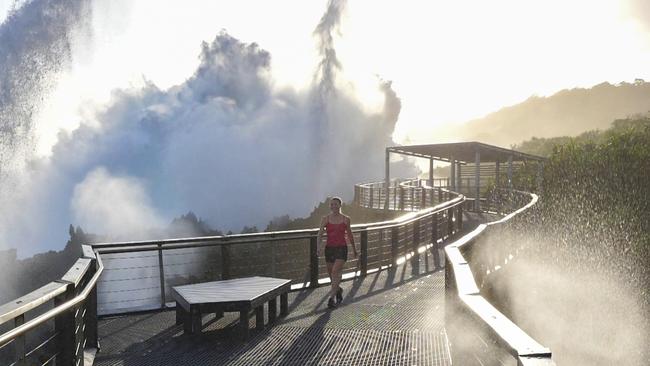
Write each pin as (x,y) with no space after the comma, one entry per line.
(334,253)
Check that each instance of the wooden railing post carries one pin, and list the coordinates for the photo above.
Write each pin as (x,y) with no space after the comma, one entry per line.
(19,342)
(70,324)
(64,325)
(415,259)
(225,261)
(450,221)
(372,196)
(401,198)
(394,242)
(363,260)
(161,270)
(92,333)
(434,240)
(313,261)
(423,198)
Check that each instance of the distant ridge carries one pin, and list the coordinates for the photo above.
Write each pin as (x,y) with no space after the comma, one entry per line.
(566,113)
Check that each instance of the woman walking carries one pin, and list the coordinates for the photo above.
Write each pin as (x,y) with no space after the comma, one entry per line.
(337,225)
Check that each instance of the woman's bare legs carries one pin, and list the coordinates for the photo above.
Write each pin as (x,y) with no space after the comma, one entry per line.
(329,269)
(335,275)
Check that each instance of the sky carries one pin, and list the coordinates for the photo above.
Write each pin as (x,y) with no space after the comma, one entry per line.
(431,50)
(407,67)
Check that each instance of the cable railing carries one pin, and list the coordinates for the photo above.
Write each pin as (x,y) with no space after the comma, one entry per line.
(474,257)
(414,194)
(57,323)
(411,194)
(140,275)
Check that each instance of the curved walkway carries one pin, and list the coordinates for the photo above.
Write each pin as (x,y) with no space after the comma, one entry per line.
(391,317)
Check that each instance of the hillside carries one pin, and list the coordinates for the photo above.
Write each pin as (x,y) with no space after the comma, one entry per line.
(566,113)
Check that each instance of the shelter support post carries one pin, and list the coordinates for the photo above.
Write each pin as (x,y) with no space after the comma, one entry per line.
(510,172)
(452,173)
(459,179)
(477,180)
(431,172)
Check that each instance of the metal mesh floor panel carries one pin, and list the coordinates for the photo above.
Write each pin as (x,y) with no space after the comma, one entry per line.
(387,318)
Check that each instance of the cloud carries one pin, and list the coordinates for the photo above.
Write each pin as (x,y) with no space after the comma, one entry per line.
(225,144)
(116,205)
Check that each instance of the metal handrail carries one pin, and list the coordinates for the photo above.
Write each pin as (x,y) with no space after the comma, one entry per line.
(149,245)
(22,329)
(236,239)
(522,346)
(375,195)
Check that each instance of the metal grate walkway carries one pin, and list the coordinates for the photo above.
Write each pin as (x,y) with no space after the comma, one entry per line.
(387,318)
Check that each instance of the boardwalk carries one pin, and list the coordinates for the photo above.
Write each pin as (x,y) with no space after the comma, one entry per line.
(388,318)
(393,317)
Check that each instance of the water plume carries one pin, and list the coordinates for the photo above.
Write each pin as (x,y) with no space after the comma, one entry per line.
(586,317)
(329,64)
(36,42)
(226,144)
(572,291)
(120,204)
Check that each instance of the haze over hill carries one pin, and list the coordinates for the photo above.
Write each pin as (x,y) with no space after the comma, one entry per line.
(566,113)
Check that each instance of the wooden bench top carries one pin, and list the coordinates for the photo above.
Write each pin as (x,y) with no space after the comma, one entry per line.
(235,290)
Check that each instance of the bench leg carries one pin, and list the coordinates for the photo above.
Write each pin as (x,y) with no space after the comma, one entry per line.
(180,314)
(284,304)
(195,320)
(243,324)
(259,317)
(273,310)
(218,314)
(187,322)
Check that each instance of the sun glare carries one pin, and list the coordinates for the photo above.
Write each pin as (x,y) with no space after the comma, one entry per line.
(456,61)
(449,62)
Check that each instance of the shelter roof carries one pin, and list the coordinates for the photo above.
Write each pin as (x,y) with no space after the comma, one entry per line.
(465,152)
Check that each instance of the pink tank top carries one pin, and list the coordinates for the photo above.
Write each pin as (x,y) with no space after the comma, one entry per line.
(336,234)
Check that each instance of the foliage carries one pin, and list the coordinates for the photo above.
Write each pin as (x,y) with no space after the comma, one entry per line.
(566,113)
(545,146)
(596,198)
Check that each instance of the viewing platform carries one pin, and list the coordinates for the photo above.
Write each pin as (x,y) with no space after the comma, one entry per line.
(390,317)
(420,292)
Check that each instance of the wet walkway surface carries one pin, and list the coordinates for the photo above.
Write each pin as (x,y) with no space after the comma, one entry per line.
(393,317)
